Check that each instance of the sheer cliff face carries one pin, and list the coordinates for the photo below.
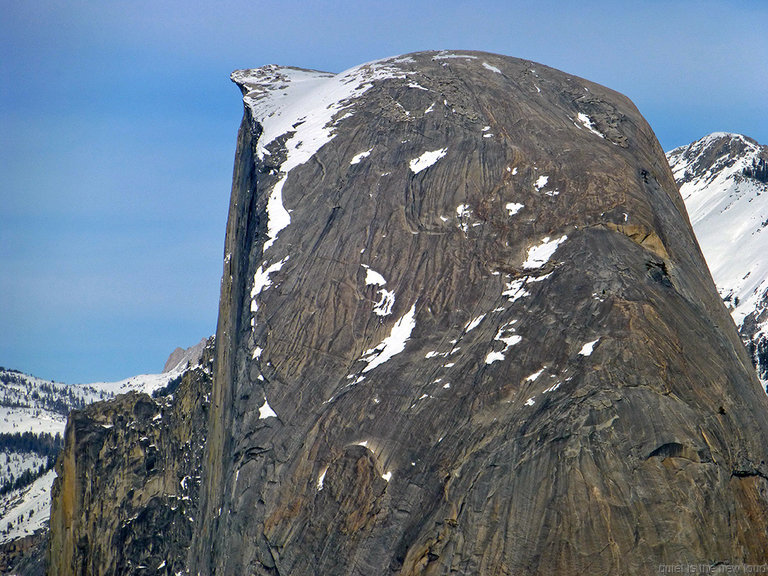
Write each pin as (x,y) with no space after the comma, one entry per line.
(126,495)
(465,328)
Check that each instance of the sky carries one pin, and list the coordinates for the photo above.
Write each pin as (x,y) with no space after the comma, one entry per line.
(118,126)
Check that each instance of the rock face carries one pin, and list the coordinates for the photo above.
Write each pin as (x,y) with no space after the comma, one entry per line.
(24,556)
(180,358)
(126,495)
(723,179)
(465,328)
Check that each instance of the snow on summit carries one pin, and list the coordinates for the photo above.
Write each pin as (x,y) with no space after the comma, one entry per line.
(305,105)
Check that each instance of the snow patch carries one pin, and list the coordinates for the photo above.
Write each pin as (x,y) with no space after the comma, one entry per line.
(493,357)
(516,289)
(514,207)
(586,121)
(426,160)
(463,213)
(372,277)
(265,411)
(321,479)
(508,338)
(552,388)
(474,323)
(384,306)
(262,281)
(491,68)
(541,181)
(443,55)
(357,158)
(533,376)
(392,344)
(587,349)
(540,254)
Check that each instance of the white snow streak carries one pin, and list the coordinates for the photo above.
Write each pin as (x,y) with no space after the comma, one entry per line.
(443,55)
(586,121)
(262,281)
(533,376)
(540,254)
(472,324)
(587,349)
(321,479)
(426,160)
(302,104)
(358,157)
(392,344)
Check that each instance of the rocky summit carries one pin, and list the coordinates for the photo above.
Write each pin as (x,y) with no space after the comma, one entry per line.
(465,328)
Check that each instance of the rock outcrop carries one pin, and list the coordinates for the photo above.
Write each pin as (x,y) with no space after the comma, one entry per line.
(465,328)
(126,496)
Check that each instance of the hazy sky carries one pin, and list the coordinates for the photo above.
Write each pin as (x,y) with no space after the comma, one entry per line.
(118,126)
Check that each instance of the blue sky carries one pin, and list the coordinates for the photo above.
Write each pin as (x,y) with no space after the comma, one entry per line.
(118,126)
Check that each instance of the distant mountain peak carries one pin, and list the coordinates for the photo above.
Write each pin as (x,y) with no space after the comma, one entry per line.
(183,357)
(723,179)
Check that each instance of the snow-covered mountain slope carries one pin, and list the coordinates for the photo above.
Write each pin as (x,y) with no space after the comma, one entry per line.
(30,404)
(723,179)
(24,511)
(33,416)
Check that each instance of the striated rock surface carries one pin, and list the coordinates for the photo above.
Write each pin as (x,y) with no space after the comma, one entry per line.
(465,328)
(723,179)
(126,496)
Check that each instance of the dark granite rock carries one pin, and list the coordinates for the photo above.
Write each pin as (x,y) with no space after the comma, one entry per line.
(126,496)
(489,346)
(25,556)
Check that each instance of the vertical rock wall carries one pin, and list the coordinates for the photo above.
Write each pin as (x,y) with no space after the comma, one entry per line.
(465,328)
(126,497)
